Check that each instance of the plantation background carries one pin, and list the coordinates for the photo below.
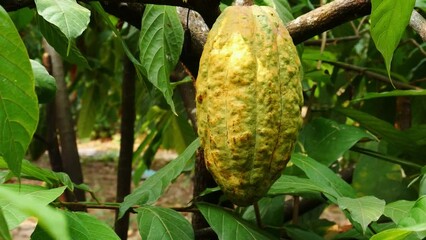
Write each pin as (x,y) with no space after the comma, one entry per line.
(73,71)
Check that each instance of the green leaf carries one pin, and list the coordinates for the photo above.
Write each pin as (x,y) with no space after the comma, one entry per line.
(416,219)
(163,223)
(177,134)
(228,226)
(18,101)
(160,45)
(398,210)
(364,210)
(4,230)
(93,228)
(322,175)
(378,127)
(52,178)
(70,17)
(281,6)
(60,43)
(13,213)
(150,190)
(296,185)
(45,84)
(376,177)
(325,140)
(394,93)
(392,234)
(389,19)
(82,226)
(33,205)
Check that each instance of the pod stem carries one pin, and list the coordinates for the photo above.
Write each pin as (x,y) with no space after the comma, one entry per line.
(257,213)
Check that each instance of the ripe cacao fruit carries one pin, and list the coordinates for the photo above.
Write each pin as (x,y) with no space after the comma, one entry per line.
(248,100)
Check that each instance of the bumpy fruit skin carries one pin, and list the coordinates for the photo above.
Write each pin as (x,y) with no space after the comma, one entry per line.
(248,101)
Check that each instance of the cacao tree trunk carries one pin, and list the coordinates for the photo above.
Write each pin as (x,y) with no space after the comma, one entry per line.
(51,137)
(65,125)
(124,171)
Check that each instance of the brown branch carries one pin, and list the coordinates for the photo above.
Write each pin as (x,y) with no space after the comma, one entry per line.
(327,17)
(209,10)
(418,23)
(371,74)
(114,206)
(302,28)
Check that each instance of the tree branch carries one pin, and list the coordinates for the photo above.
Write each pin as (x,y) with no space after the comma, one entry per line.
(327,17)
(372,75)
(302,28)
(418,23)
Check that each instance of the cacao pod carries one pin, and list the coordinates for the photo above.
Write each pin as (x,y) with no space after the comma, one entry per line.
(248,100)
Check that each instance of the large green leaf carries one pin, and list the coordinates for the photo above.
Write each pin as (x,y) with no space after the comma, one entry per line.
(13,213)
(33,205)
(398,210)
(160,46)
(378,127)
(295,185)
(18,101)
(70,17)
(322,175)
(414,223)
(60,43)
(163,223)
(325,140)
(178,133)
(82,226)
(389,18)
(150,190)
(228,226)
(363,210)
(392,234)
(4,230)
(416,216)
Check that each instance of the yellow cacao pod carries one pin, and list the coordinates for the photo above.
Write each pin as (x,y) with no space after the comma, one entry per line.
(248,101)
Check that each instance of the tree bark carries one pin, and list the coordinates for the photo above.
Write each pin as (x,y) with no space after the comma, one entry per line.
(51,136)
(124,171)
(327,17)
(65,125)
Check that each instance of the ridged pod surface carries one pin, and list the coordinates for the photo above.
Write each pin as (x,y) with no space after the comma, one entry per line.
(248,99)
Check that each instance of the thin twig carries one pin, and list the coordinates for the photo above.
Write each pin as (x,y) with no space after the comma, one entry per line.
(372,75)
(323,41)
(415,43)
(334,41)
